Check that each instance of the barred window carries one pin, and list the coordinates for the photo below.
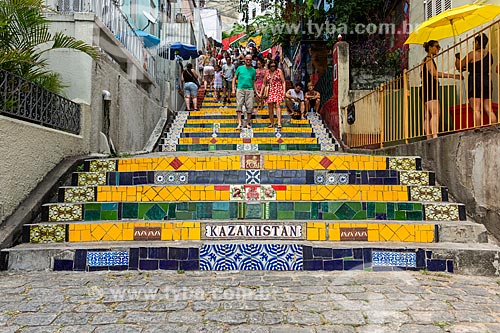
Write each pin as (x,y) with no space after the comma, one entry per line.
(435,7)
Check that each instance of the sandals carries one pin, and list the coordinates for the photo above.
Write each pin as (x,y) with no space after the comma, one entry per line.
(270,126)
(238,127)
(279,126)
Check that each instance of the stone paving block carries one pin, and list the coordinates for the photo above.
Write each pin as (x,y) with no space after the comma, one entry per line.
(249,329)
(131,306)
(291,329)
(70,318)
(184,317)
(77,329)
(344,317)
(468,328)
(206,306)
(335,329)
(107,318)
(170,328)
(208,328)
(167,306)
(386,317)
(33,319)
(312,306)
(40,329)
(11,329)
(244,305)
(266,318)
(431,317)
(475,317)
(303,318)
(118,328)
(145,317)
(413,328)
(228,317)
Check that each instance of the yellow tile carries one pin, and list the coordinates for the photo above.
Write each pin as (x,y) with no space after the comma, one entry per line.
(73,236)
(176,234)
(373,236)
(167,234)
(312,234)
(333,234)
(322,233)
(85,236)
(185,233)
(128,234)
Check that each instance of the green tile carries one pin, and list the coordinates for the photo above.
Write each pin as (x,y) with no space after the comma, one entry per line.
(286,215)
(417,206)
(212,147)
(390,211)
(233,210)
(286,205)
(325,207)
(303,206)
(381,207)
(370,209)
(273,210)
(172,214)
(241,210)
(254,211)
(182,206)
(400,215)
(183,216)
(143,208)
(92,215)
(333,206)
(219,215)
(345,212)
(204,210)
(302,215)
(283,147)
(109,206)
(405,206)
(360,215)
(109,215)
(92,206)
(314,214)
(330,216)
(356,206)
(414,215)
(130,210)
(191,206)
(155,213)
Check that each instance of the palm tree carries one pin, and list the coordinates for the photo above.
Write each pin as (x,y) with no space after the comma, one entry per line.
(25,38)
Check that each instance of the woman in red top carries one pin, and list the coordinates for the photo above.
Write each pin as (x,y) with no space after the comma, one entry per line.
(260,72)
(277,87)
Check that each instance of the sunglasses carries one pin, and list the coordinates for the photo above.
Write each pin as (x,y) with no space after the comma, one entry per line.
(437,46)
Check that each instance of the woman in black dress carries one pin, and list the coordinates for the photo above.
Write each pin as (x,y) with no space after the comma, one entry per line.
(478,64)
(430,88)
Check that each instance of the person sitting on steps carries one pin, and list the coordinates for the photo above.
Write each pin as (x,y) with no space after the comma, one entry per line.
(312,98)
(294,100)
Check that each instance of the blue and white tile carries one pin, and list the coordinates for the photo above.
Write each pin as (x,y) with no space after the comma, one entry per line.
(107,258)
(169,147)
(252,177)
(251,257)
(337,178)
(246,133)
(320,177)
(394,259)
(247,147)
(329,147)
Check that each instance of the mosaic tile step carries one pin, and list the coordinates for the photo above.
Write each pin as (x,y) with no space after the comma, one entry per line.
(232,210)
(260,256)
(255,176)
(209,131)
(245,147)
(263,123)
(360,231)
(252,192)
(269,161)
(269,140)
(254,121)
(237,134)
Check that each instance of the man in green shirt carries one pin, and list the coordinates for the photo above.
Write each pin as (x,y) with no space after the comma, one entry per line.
(246,89)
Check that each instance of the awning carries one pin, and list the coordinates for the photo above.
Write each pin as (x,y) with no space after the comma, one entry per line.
(148,39)
(185,51)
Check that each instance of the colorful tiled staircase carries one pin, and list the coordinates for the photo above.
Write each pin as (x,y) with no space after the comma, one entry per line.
(257,199)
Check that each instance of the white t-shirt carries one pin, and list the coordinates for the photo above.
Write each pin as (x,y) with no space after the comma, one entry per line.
(299,95)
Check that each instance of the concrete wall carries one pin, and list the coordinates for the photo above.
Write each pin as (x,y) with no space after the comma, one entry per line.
(135,107)
(29,152)
(468,164)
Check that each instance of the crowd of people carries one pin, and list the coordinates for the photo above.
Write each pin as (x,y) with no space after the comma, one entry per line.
(253,79)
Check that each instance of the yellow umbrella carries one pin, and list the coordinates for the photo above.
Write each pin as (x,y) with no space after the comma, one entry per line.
(453,22)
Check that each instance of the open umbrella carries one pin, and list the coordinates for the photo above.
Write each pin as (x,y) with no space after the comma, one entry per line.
(453,22)
(185,51)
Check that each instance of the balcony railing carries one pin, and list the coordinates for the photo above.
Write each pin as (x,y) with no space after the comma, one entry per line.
(27,101)
(115,20)
(395,112)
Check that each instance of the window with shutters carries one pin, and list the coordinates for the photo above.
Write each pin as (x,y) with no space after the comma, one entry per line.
(435,7)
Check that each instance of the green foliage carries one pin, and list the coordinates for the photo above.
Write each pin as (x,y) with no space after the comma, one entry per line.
(25,38)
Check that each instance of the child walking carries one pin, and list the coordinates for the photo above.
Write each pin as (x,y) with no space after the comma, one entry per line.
(218,83)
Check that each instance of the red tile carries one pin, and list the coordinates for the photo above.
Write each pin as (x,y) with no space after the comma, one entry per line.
(279,187)
(213,141)
(325,162)
(247,140)
(176,163)
(280,140)
(221,187)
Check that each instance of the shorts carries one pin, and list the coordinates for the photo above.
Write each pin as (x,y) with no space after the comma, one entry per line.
(228,85)
(295,106)
(244,97)
(190,88)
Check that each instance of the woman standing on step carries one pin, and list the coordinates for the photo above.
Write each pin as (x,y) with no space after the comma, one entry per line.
(188,78)
(430,89)
(277,87)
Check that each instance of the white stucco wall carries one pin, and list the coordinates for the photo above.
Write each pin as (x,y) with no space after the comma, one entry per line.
(30,151)
(212,23)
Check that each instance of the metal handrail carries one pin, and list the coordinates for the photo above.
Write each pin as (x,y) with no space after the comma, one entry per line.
(24,100)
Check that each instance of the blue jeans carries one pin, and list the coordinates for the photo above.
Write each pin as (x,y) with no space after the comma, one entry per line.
(191,89)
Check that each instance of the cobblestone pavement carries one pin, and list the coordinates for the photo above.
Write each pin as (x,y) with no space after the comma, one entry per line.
(248,302)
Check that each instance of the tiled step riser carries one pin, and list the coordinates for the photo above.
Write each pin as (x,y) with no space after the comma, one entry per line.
(233,124)
(252,193)
(245,147)
(131,231)
(254,211)
(257,161)
(238,135)
(363,177)
(214,257)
